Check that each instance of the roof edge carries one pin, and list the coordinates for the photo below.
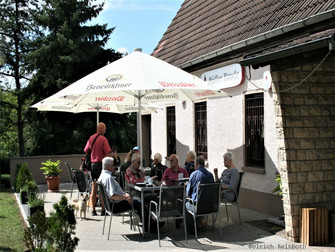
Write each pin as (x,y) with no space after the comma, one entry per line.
(261,37)
(297,49)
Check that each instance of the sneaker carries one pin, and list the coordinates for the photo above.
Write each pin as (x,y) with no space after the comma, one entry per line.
(94,213)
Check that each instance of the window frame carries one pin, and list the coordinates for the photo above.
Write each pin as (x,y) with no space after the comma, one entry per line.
(202,147)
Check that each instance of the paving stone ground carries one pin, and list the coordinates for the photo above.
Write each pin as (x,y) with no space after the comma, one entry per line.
(246,237)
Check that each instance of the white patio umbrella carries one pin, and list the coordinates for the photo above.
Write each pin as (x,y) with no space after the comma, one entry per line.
(136,79)
(84,107)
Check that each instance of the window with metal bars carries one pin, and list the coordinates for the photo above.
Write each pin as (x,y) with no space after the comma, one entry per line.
(254,123)
(171,130)
(201,129)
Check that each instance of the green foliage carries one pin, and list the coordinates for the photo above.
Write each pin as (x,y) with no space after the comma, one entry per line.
(36,234)
(279,187)
(51,169)
(17,30)
(66,52)
(30,187)
(9,144)
(36,199)
(55,233)
(62,224)
(23,176)
(5,180)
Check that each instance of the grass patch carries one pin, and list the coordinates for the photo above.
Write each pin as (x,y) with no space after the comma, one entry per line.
(11,223)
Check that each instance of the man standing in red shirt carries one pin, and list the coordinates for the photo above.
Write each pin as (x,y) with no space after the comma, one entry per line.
(100,150)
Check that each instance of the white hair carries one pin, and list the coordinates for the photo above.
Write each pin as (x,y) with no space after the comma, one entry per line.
(158,156)
(106,161)
(229,156)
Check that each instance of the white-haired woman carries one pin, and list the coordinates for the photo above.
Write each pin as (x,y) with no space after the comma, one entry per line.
(157,168)
(230,177)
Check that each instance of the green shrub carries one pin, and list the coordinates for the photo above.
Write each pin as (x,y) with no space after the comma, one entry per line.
(5,180)
(23,176)
(55,233)
(30,187)
(36,199)
(36,234)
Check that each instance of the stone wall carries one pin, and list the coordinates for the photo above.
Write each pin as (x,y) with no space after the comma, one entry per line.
(306,134)
(34,164)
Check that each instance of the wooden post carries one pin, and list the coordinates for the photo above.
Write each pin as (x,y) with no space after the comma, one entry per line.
(313,223)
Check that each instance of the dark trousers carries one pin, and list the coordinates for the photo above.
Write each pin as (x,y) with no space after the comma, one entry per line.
(123,206)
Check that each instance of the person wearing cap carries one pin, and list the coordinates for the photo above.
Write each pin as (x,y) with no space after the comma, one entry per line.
(136,150)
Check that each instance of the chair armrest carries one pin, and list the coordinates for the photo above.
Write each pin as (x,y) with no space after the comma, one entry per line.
(189,200)
(154,204)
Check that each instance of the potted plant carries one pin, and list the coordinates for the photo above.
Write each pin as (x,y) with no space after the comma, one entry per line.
(52,171)
(28,189)
(35,203)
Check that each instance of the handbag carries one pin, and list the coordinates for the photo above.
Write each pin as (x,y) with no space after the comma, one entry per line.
(86,164)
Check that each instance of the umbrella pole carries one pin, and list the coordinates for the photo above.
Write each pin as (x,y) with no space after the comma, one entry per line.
(97,116)
(139,127)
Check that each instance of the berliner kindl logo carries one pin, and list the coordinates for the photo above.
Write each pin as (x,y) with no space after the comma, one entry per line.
(114,77)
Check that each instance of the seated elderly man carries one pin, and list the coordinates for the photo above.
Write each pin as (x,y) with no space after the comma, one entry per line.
(114,190)
(170,176)
(189,164)
(202,175)
(157,168)
(134,174)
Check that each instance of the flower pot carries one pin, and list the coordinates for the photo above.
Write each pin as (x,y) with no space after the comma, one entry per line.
(53,184)
(34,209)
(24,197)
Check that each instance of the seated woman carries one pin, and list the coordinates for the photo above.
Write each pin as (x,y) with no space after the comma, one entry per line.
(157,169)
(230,177)
(135,175)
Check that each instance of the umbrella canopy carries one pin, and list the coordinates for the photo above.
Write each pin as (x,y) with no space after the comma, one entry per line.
(84,107)
(134,80)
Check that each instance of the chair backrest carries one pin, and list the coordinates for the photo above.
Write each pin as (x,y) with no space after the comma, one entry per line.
(123,182)
(171,201)
(239,185)
(104,196)
(81,180)
(70,172)
(208,198)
